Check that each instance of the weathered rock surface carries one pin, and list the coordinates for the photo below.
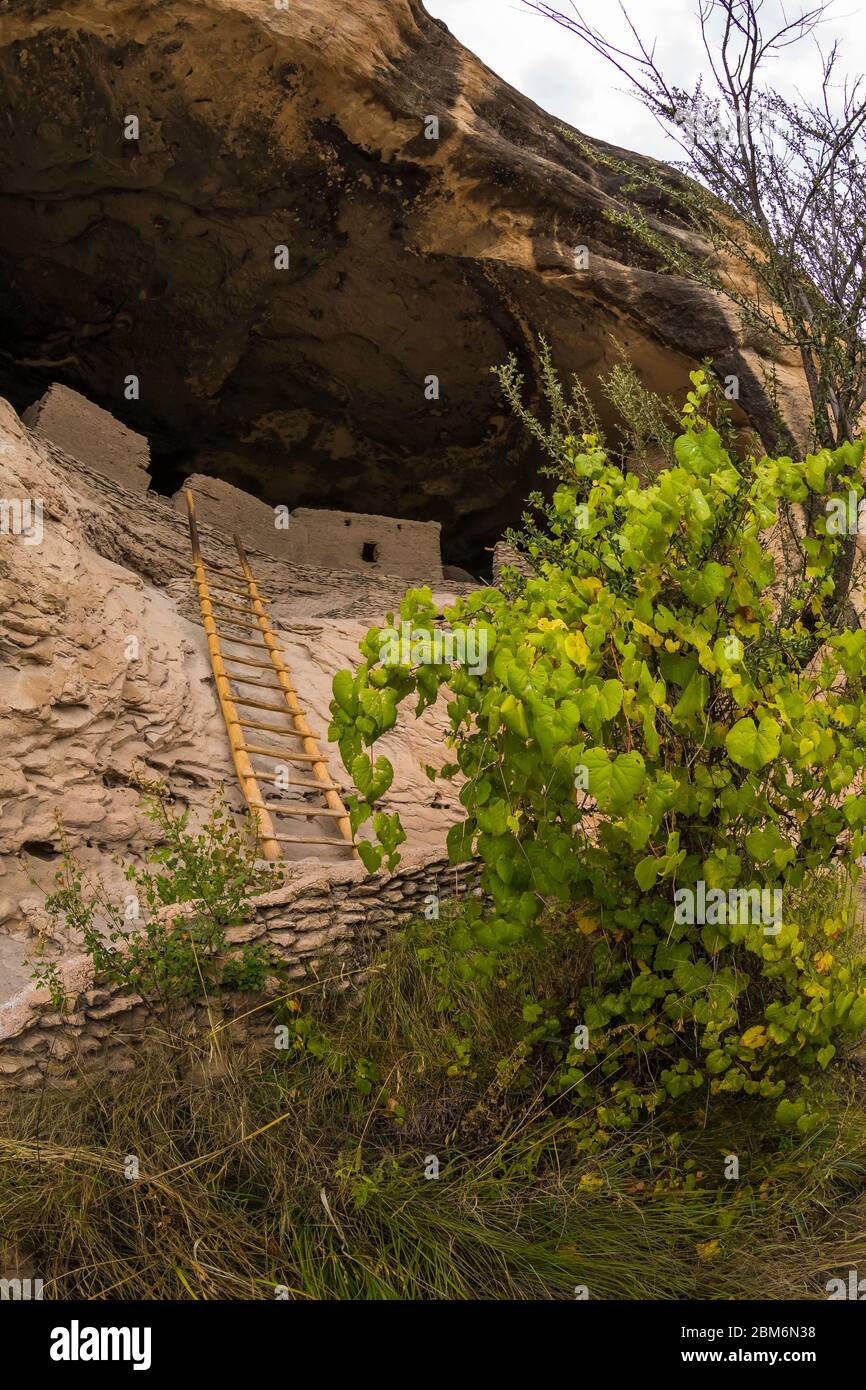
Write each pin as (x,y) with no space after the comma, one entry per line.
(305,128)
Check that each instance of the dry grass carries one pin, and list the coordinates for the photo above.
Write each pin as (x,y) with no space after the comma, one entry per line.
(278,1172)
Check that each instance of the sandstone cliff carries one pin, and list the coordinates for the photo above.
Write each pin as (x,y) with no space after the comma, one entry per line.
(155,155)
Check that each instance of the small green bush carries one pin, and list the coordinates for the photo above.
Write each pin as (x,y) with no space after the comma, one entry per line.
(213,871)
(663,722)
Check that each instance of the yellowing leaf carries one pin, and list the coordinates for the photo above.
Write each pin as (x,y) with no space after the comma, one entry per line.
(823,960)
(708,1250)
(755,1037)
(590,1184)
(576,648)
(655,638)
(586,925)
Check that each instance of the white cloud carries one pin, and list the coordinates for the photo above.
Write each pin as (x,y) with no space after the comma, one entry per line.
(565,77)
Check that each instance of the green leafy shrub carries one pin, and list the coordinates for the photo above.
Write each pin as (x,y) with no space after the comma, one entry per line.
(213,872)
(663,721)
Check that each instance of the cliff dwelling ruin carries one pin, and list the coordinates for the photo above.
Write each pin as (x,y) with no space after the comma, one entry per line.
(277,292)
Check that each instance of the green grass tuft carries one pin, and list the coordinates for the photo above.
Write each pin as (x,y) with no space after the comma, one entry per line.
(306,1169)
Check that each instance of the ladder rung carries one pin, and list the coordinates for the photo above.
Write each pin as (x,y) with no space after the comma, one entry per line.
(232,607)
(275,729)
(280,756)
(309,812)
(245,642)
(235,589)
(229,589)
(310,786)
(223,588)
(263,685)
(302,840)
(236,622)
(260,704)
(245,661)
(217,569)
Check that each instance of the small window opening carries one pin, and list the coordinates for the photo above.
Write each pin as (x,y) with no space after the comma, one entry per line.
(370,552)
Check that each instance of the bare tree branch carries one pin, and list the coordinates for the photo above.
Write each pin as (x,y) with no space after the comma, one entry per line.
(778,184)
(793,171)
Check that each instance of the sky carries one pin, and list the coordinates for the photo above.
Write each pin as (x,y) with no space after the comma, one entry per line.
(564,76)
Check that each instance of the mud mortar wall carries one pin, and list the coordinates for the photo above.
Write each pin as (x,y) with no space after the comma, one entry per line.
(325,925)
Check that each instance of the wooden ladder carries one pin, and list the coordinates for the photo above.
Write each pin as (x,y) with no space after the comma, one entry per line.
(245,609)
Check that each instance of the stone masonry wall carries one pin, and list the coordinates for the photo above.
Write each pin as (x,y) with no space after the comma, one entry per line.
(325,924)
(328,540)
(228,508)
(505,555)
(382,544)
(91,435)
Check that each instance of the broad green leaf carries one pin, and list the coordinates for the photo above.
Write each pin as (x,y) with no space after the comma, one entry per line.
(753,746)
(370,855)
(344,692)
(789,1112)
(646,873)
(372,780)
(514,716)
(614,784)
(639,828)
(676,668)
(857,1016)
(694,698)
(762,844)
(459,842)
(493,817)
(576,649)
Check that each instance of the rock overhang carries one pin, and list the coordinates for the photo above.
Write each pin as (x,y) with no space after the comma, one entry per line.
(357,375)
